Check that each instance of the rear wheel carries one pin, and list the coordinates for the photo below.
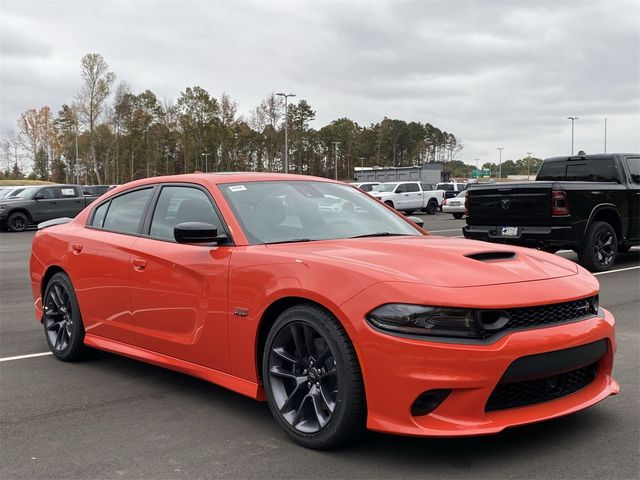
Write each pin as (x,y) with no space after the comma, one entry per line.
(62,322)
(312,378)
(457,216)
(390,203)
(599,250)
(17,222)
(432,207)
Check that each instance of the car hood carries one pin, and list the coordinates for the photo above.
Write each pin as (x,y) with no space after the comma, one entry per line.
(436,261)
(12,200)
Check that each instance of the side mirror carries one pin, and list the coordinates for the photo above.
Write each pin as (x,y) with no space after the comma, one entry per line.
(38,196)
(197,232)
(417,220)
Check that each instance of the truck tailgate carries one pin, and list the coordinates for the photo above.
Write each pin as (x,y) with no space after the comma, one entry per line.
(512,204)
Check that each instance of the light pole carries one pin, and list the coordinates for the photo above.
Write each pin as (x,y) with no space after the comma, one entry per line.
(605,135)
(528,162)
(335,146)
(500,164)
(573,119)
(286,128)
(206,161)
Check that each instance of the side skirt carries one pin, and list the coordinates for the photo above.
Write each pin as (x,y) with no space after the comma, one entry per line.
(239,385)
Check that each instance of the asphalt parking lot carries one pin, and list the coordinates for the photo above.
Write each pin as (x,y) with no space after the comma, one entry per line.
(110,417)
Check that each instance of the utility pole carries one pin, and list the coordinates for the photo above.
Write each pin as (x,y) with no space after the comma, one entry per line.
(206,161)
(335,146)
(286,128)
(605,135)
(573,119)
(528,162)
(500,164)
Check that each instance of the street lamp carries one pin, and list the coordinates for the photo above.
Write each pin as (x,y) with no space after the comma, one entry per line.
(573,119)
(335,146)
(206,161)
(605,135)
(528,162)
(500,164)
(286,128)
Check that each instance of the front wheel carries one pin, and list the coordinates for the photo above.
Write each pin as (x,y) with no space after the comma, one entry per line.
(312,378)
(17,222)
(600,247)
(62,322)
(458,216)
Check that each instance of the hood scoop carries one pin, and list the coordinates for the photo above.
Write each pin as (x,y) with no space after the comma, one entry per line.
(491,256)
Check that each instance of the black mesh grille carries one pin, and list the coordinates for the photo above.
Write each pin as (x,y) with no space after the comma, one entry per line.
(530,392)
(546,314)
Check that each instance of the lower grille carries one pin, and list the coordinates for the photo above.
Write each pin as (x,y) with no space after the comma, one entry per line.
(530,392)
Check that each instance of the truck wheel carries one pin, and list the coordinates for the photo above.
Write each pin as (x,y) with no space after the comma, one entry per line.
(390,203)
(598,252)
(432,207)
(408,212)
(457,216)
(17,222)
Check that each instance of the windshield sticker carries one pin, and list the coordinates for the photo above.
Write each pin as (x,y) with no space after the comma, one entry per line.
(237,188)
(68,192)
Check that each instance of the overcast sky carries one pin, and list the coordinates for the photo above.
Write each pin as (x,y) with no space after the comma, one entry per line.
(495,73)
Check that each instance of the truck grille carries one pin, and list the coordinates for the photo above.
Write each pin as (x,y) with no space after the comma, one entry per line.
(543,315)
(530,392)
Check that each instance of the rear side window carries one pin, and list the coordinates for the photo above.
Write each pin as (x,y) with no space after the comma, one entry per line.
(125,213)
(99,214)
(595,171)
(552,171)
(634,169)
(178,205)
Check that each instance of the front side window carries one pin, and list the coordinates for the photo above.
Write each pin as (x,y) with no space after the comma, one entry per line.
(409,188)
(178,205)
(634,169)
(126,210)
(50,193)
(294,211)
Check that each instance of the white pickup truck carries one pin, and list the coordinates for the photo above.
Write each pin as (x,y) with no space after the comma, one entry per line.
(410,196)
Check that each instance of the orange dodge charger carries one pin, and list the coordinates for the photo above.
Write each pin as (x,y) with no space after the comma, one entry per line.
(338,311)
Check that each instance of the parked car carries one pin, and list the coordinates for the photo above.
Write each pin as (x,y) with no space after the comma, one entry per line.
(409,196)
(452,188)
(243,280)
(586,203)
(34,204)
(455,205)
(366,186)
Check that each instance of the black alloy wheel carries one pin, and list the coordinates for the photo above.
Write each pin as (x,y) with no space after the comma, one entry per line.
(17,222)
(432,207)
(63,327)
(599,251)
(312,378)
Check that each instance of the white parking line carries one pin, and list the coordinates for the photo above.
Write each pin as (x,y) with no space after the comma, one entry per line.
(20,357)
(618,270)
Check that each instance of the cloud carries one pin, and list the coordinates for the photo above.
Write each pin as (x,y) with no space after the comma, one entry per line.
(494,73)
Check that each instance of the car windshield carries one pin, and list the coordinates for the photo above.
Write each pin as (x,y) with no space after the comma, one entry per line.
(386,187)
(22,192)
(298,211)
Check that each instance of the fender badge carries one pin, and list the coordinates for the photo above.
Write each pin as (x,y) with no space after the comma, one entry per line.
(240,312)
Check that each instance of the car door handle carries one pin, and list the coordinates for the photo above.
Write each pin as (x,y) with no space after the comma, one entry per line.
(139,264)
(77,248)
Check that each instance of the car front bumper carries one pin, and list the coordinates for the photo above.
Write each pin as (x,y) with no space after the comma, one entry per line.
(397,370)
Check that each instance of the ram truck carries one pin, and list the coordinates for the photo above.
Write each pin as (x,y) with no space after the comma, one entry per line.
(409,196)
(586,203)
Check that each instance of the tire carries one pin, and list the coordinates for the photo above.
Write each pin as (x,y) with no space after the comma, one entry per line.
(390,203)
(17,222)
(600,248)
(457,216)
(312,378)
(550,249)
(62,322)
(408,212)
(432,207)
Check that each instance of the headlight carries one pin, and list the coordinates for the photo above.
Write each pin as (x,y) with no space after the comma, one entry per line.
(424,320)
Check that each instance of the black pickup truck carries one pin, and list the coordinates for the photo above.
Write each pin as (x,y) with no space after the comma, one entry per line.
(35,204)
(586,203)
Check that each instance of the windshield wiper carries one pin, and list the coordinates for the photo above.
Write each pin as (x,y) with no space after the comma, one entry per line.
(382,234)
(293,240)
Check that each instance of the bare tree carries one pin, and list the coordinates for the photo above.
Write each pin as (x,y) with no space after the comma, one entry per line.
(92,96)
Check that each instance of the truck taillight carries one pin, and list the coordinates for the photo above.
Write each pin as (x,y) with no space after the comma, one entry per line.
(466,205)
(559,204)
(444,202)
